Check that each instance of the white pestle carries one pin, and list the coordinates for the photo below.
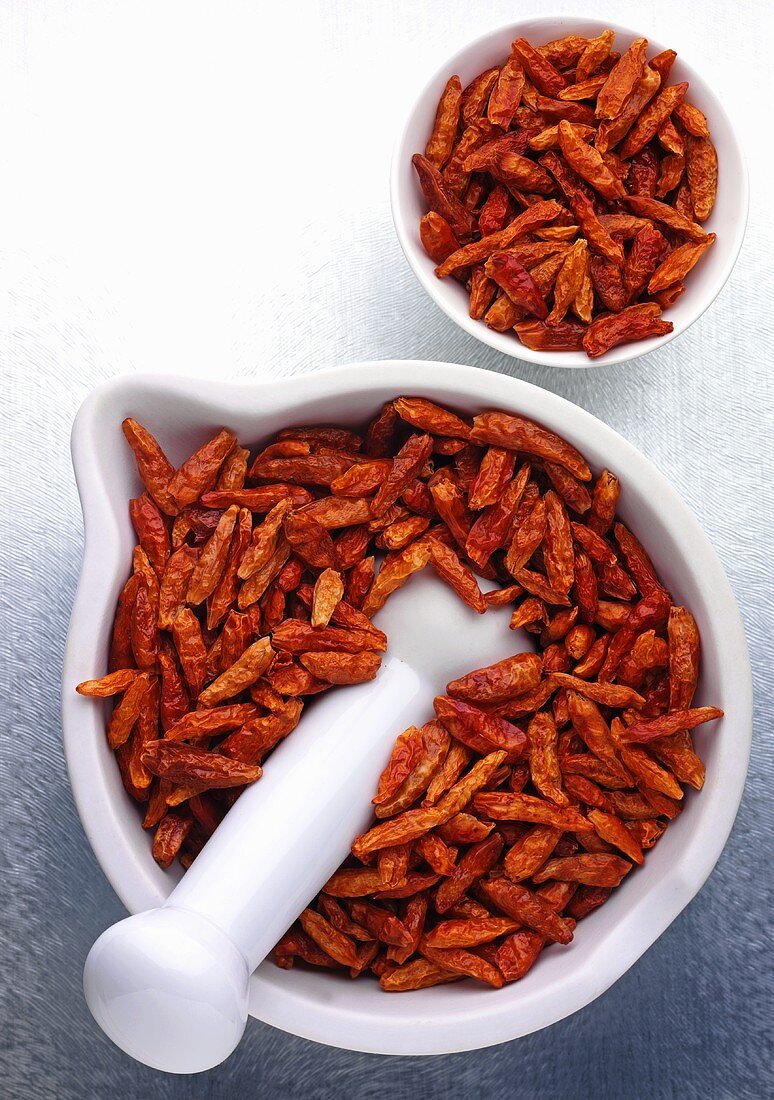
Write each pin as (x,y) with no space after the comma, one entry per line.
(170,986)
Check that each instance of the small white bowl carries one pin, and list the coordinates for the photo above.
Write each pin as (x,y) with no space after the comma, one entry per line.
(728,219)
(358,1015)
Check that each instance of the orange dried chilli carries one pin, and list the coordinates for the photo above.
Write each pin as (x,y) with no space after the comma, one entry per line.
(545,148)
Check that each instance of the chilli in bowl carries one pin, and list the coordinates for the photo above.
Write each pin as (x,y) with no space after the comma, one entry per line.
(541,781)
(566,190)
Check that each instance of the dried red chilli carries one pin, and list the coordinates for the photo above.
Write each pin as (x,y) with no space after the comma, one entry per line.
(542,780)
(591,157)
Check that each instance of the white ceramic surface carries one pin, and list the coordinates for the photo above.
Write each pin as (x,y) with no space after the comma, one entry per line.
(334,1010)
(728,219)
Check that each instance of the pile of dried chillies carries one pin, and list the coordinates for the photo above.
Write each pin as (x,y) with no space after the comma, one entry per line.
(566,190)
(542,779)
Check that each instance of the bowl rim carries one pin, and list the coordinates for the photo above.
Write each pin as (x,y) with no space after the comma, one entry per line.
(405,1025)
(422,267)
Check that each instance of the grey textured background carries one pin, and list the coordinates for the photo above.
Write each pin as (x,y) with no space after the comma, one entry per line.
(171,200)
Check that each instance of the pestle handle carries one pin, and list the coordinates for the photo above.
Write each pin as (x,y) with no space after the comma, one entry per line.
(170,986)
